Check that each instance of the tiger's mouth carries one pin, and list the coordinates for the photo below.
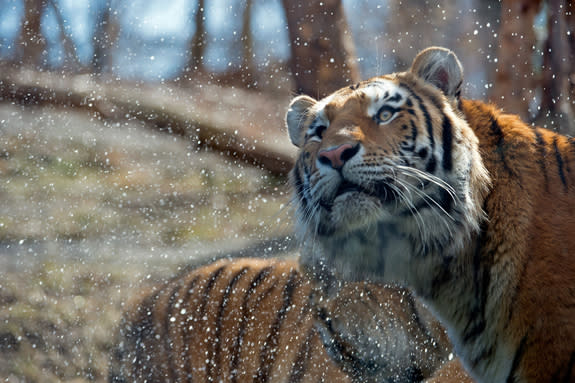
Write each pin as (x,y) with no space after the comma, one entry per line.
(381,191)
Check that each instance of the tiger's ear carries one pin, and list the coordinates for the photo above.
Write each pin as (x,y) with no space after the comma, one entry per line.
(296,116)
(440,67)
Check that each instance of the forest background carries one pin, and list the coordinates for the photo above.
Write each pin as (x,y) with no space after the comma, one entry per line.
(138,137)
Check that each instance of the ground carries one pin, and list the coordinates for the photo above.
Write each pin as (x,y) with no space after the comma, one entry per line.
(94,211)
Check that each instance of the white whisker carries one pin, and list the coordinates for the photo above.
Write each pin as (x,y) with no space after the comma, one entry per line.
(419,174)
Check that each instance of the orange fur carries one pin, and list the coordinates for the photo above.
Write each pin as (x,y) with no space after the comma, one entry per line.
(531,237)
(400,180)
(268,311)
(451,372)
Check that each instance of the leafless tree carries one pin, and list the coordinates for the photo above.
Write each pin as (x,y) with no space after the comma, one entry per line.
(32,45)
(197,45)
(514,81)
(247,68)
(71,58)
(322,50)
(106,33)
(556,99)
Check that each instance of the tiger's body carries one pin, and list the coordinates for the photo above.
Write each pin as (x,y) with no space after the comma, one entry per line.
(252,320)
(401,180)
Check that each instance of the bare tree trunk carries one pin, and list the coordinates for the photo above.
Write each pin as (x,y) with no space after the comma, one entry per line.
(556,110)
(198,41)
(32,44)
(322,50)
(514,82)
(71,58)
(247,69)
(106,35)
(570,18)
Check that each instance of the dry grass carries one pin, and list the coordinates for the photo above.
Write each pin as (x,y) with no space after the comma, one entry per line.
(57,321)
(64,176)
(94,211)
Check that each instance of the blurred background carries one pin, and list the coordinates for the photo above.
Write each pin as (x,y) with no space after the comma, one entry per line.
(139,137)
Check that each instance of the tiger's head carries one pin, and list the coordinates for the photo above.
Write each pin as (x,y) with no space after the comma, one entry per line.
(387,170)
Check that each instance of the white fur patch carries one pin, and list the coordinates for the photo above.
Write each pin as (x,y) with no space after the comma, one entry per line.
(383,92)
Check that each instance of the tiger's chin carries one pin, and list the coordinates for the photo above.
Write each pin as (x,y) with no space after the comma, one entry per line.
(352,211)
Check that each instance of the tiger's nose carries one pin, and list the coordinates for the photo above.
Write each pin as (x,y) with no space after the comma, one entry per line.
(337,156)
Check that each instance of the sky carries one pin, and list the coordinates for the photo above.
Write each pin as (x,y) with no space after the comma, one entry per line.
(155,32)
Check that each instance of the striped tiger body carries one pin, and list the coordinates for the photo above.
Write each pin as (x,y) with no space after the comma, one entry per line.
(400,180)
(252,320)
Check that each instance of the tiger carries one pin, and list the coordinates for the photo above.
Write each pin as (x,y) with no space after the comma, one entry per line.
(400,179)
(252,320)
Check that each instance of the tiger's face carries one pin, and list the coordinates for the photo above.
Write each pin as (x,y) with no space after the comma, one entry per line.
(387,169)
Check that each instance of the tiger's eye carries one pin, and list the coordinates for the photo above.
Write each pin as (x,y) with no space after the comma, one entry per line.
(385,115)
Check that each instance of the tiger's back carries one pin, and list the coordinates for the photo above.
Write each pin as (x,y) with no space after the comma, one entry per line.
(199,328)
(252,320)
(532,216)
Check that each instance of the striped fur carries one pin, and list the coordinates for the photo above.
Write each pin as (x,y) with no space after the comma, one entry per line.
(401,180)
(251,320)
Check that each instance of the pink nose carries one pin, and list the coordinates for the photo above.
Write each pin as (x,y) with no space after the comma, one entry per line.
(337,156)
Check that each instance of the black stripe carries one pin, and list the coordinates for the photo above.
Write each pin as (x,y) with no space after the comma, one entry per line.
(516,290)
(187,333)
(481,281)
(143,328)
(486,353)
(497,132)
(269,350)
(517,360)
(299,185)
(559,163)
(206,297)
(347,360)
(443,200)
(446,200)
(206,293)
(301,363)
(216,349)
(336,348)
(413,131)
(541,146)
(442,275)
(447,144)
(395,98)
(246,314)
(435,101)
(431,164)
(166,338)
(426,115)
(415,317)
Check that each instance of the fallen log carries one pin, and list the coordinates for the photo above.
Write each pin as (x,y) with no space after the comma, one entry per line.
(241,124)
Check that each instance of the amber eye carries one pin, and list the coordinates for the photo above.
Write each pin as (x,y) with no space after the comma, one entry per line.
(385,115)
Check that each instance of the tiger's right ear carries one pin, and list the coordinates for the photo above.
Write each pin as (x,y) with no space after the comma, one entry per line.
(441,68)
(296,116)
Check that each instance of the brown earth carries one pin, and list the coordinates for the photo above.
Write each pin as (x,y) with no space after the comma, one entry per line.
(93,210)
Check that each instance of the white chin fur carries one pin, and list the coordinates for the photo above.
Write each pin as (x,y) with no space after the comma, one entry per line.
(354,210)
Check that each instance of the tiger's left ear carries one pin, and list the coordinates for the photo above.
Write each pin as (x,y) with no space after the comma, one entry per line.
(296,115)
(440,67)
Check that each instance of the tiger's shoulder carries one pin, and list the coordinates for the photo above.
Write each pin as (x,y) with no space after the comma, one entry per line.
(236,320)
